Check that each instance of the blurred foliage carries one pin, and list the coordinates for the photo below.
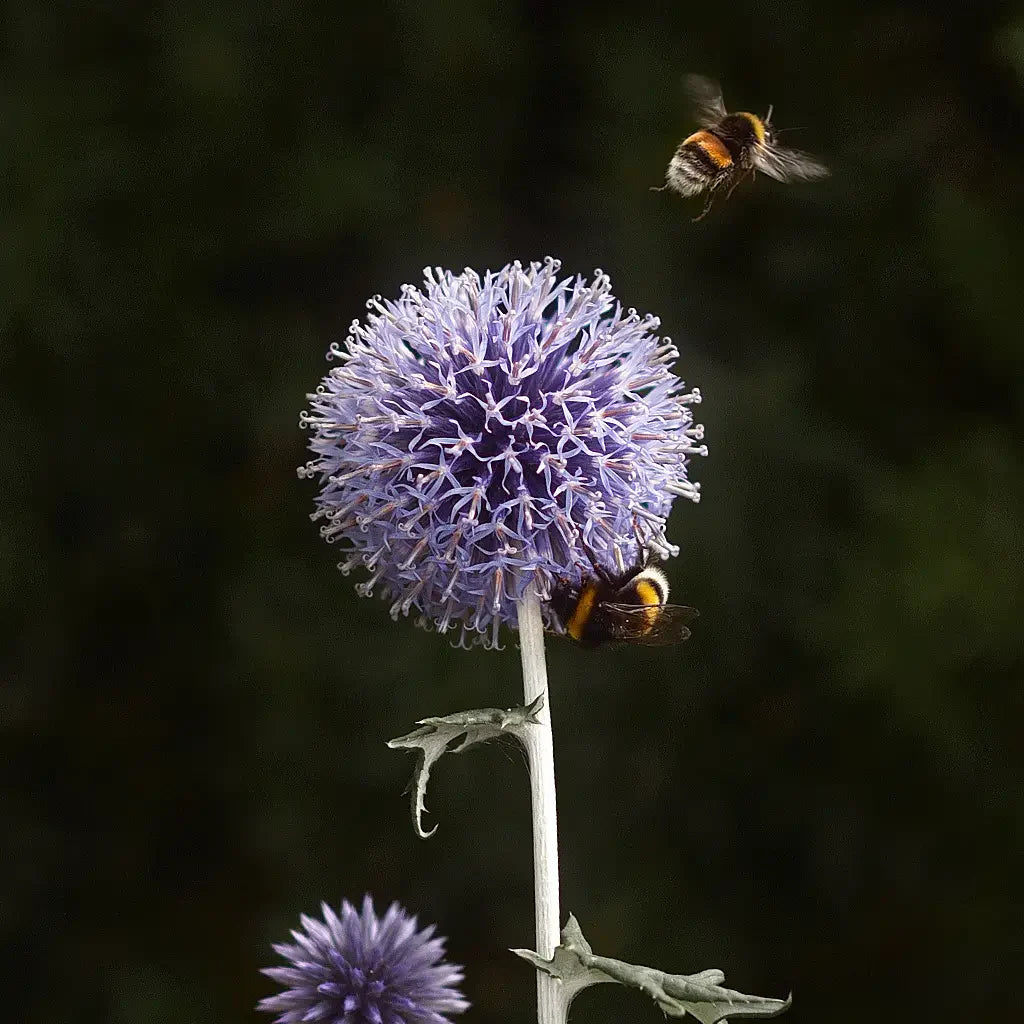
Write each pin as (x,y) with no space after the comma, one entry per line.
(821,791)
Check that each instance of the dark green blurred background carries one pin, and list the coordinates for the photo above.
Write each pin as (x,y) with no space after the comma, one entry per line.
(821,791)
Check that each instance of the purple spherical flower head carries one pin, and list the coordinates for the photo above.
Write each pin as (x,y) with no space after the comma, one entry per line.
(359,969)
(482,434)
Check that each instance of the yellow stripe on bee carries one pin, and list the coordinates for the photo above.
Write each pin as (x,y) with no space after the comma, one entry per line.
(650,597)
(712,145)
(584,606)
(756,123)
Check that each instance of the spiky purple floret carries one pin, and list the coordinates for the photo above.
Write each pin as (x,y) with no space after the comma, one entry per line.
(358,969)
(480,434)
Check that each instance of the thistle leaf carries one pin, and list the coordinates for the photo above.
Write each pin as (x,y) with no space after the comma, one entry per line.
(700,995)
(436,736)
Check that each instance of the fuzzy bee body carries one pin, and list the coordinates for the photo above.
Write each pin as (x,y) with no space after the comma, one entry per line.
(629,607)
(698,164)
(728,147)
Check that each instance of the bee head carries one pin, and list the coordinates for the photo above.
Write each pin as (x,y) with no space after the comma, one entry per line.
(564,595)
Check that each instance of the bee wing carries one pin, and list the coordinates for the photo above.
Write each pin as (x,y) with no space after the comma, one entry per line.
(706,97)
(631,623)
(788,164)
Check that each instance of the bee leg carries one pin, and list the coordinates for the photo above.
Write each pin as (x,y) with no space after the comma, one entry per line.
(659,188)
(601,571)
(643,554)
(707,208)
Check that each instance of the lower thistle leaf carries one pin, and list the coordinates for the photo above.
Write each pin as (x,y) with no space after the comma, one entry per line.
(436,736)
(701,995)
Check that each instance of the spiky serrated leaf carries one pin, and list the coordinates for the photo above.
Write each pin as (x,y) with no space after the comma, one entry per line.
(436,736)
(701,995)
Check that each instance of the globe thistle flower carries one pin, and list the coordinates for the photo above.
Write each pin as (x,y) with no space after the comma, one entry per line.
(482,433)
(358,969)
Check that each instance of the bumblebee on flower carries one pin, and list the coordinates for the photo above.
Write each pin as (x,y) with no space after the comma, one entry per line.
(628,607)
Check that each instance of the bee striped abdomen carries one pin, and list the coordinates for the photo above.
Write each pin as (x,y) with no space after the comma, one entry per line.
(699,161)
(651,592)
(648,595)
(709,148)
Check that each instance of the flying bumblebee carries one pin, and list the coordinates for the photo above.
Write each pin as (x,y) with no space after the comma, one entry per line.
(728,147)
(620,608)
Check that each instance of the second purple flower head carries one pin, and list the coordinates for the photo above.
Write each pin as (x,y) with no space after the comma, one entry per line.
(357,968)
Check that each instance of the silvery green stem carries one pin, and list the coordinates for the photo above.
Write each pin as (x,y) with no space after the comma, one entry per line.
(540,751)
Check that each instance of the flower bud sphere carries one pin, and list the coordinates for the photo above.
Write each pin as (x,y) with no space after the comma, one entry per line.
(482,433)
(361,969)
